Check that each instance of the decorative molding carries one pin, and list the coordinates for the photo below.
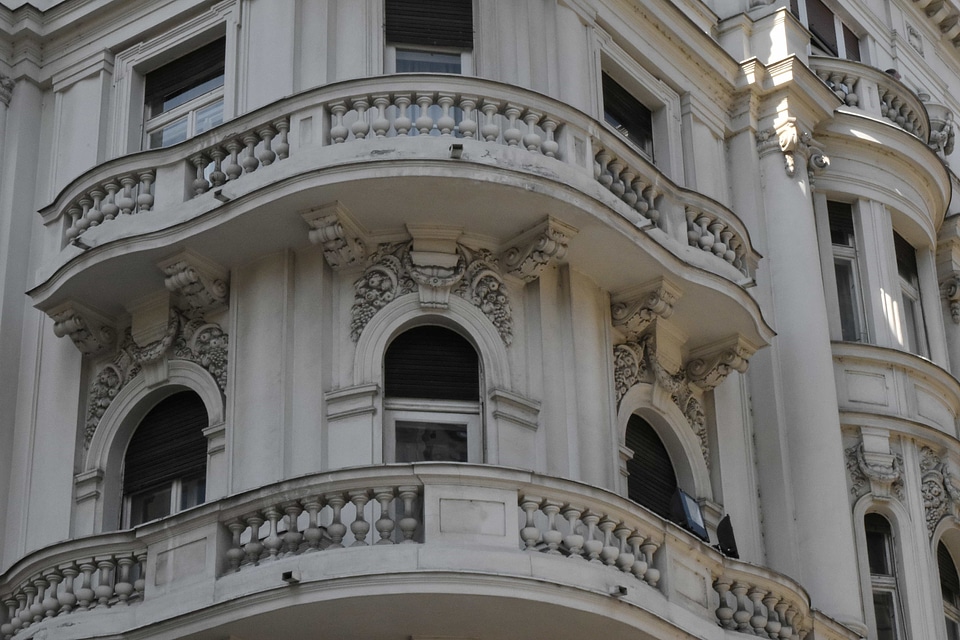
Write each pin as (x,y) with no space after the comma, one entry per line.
(708,367)
(6,89)
(194,339)
(90,331)
(880,473)
(914,38)
(395,270)
(787,138)
(201,284)
(341,239)
(936,487)
(635,310)
(950,290)
(536,247)
(942,130)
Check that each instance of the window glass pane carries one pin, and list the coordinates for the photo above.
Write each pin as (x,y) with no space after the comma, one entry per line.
(878,543)
(627,115)
(885,615)
(209,116)
(912,337)
(906,259)
(186,95)
(192,492)
(820,21)
(427,62)
(427,441)
(149,506)
(169,135)
(849,300)
(953,630)
(840,215)
(851,43)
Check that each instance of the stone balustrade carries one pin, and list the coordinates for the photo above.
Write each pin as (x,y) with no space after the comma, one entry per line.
(864,89)
(159,182)
(761,603)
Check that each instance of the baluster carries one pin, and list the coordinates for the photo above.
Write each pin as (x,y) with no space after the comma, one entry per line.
(235,553)
(737,245)
(85,221)
(217,177)
(446,122)
(424,121)
(409,523)
(591,545)
(552,536)
(652,575)
(758,620)
(468,126)
(67,599)
(530,534)
(39,585)
(200,184)
(490,129)
(729,255)
(282,145)
(549,147)
(402,122)
(254,547)
(96,213)
(652,194)
(51,605)
(609,553)
(532,139)
(384,524)
(338,132)
(789,631)
(625,559)
(85,593)
(124,586)
(273,541)
(724,612)
(7,629)
(313,534)
(693,229)
(512,134)
(249,161)
(74,230)
(380,124)
(104,589)
(20,620)
(706,238)
(109,207)
(743,614)
(718,247)
(233,168)
(267,154)
(604,159)
(640,567)
(127,203)
(898,107)
(773,616)
(292,537)
(573,542)
(336,529)
(359,527)
(360,126)
(145,198)
(616,185)
(141,582)
(629,196)
(637,186)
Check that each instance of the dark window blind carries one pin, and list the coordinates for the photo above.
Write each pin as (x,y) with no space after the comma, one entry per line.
(627,114)
(168,444)
(651,480)
(949,580)
(447,23)
(182,74)
(431,363)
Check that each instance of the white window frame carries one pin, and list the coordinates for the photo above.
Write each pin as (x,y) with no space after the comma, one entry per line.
(838,25)
(390,56)
(436,411)
(176,495)
(850,255)
(917,342)
(188,109)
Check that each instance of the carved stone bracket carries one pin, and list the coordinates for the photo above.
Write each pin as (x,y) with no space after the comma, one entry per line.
(535,248)
(882,473)
(201,284)
(394,270)
(708,367)
(332,227)
(633,311)
(90,331)
(950,289)
(786,137)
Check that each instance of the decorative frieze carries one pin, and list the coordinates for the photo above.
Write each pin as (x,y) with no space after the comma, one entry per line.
(201,284)
(879,473)
(90,331)
(333,229)
(633,312)
(535,248)
(395,270)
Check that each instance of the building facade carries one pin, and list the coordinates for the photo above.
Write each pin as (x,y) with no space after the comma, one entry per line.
(495,317)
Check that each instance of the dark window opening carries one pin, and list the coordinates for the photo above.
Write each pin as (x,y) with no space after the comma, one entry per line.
(628,115)
(651,480)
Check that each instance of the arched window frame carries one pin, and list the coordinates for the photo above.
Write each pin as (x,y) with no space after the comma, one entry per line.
(98,487)
(947,533)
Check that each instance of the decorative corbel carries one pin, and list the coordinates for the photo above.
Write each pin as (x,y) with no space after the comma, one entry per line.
(883,470)
(709,366)
(791,141)
(341,238)
(534,249)
(91,331)
(201,284)
(950,289)
(634,310)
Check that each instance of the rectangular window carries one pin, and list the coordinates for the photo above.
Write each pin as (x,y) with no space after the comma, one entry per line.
(429,37)
(628,115)
(432,431)
(844,246)
(828,34)
(185,97)
(913,335)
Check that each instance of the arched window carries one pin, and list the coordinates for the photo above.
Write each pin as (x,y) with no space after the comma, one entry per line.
(432,397)
(651,480)
(165,465)
(887,608)
(950,588)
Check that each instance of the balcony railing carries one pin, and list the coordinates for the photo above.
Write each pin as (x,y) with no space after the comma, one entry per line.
(870,91)
(402,108)
(591,535)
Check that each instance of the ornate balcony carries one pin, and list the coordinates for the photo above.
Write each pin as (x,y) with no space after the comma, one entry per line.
(322,541)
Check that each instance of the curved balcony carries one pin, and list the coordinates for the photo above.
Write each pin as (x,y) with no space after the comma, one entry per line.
(887,387)
(322,543)
(547,149)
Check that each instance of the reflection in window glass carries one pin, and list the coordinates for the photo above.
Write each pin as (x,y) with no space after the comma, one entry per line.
(411,61)
(209,117)
(426,442)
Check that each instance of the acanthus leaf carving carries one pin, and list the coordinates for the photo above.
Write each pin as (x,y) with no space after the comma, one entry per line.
(333,229)
(90,331)
(950,289)
(936,502)
(633,312)
(858,481)
(883,471)
(201,284)
(708,368)
(535,248)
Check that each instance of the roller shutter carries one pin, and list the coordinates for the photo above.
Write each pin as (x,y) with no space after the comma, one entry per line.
(431,363)
(651,479)
(424,22)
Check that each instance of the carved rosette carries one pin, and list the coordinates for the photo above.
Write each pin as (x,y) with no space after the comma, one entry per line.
(950,289)
(332,228)
(634,313)
(91,332)
(474,276)
(202,285)
(536,248)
